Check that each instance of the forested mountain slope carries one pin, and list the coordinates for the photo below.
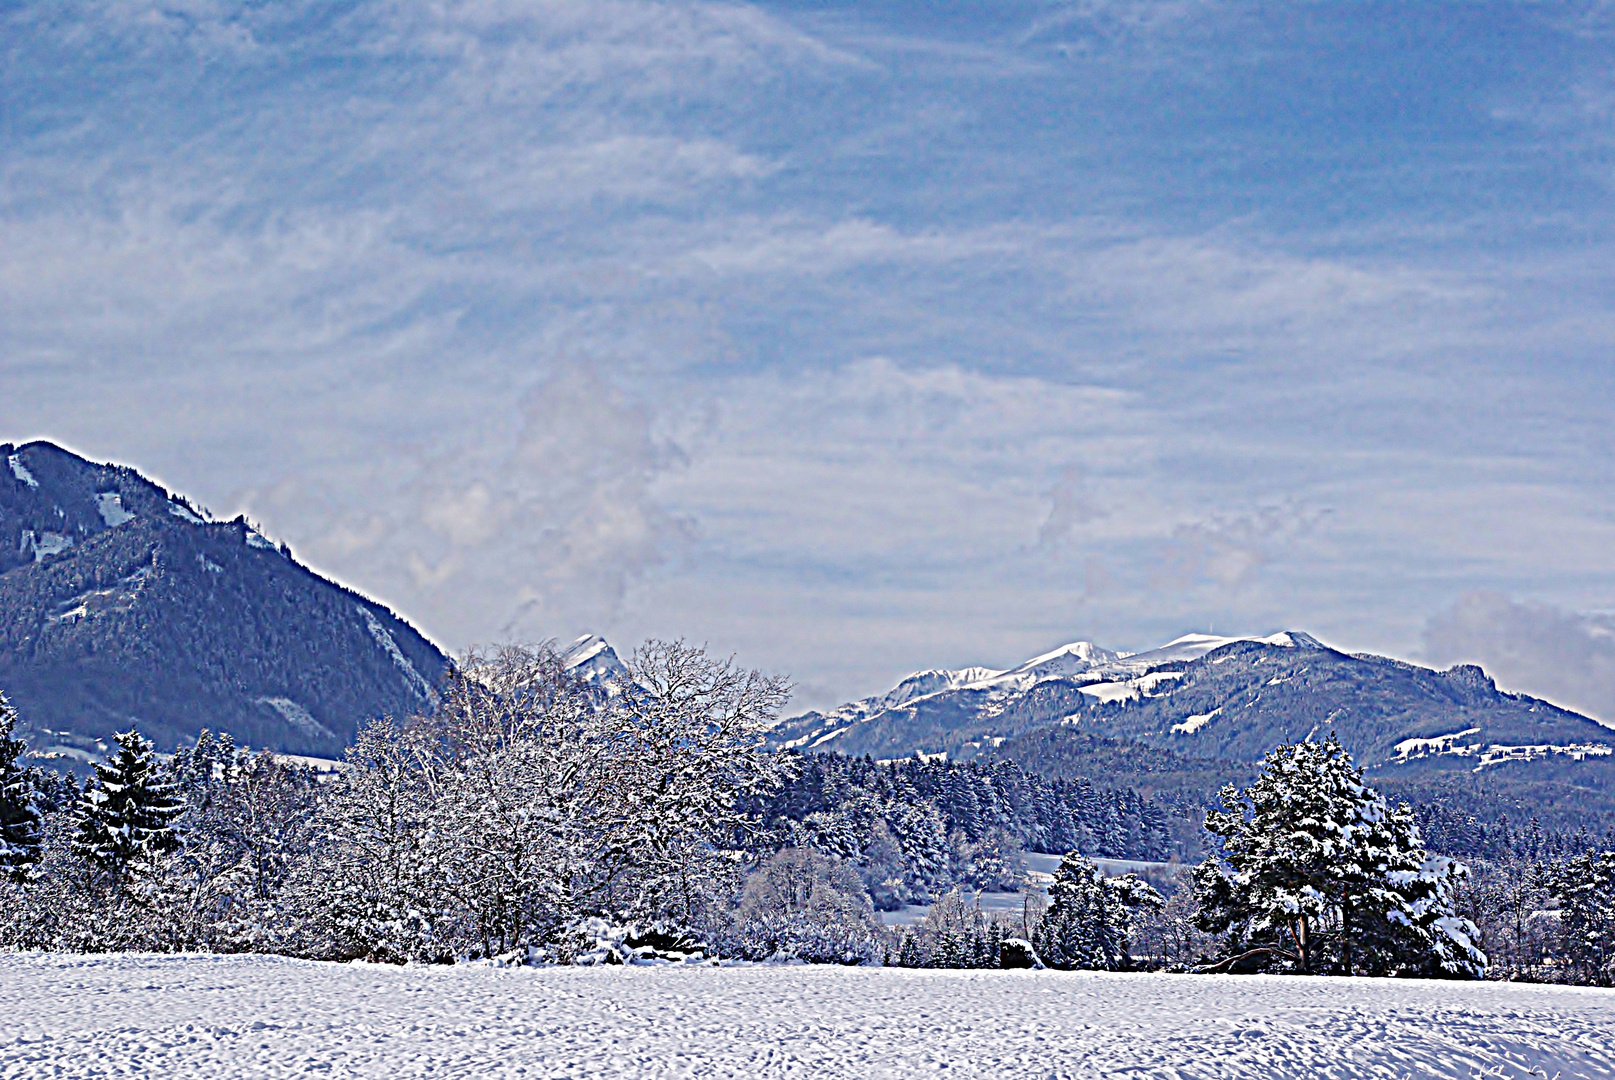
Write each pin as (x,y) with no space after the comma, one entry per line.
(1178,721)
(122,605)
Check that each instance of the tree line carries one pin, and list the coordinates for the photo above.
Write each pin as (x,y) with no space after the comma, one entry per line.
(534,818)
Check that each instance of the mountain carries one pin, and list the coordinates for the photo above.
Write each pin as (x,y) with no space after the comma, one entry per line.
(591,660)
(122,604)
(942,711)
(1180,720)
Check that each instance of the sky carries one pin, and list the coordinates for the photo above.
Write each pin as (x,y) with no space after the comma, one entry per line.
(850,339)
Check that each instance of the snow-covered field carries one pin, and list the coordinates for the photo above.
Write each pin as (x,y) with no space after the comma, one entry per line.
(176,1017)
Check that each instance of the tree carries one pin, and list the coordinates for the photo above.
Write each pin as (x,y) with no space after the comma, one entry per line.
(373,884)
(530,802)
(1508,898)
(800,903)
(20,818)
(245,829)
(1089,922)
(126,814)
(689,756)
(1321,876)
(1585,889)
(955,933)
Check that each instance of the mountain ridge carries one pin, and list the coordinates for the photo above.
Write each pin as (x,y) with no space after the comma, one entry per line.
(122,604)
(1213,707)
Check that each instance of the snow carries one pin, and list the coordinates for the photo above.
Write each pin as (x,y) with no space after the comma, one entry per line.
(45,544)
(179,510)
(592,659)
(1077,658)
(1496,753)
(110,505)
(1441,744)
(1109,676)
(584,649)
(20,471)
(1192,724)
(384,638)
(257,540)
(181,1017)
(1127,689)
(325,767)
(297,717)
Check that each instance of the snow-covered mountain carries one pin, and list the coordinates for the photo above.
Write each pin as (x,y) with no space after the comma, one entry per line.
(122,604)
(1099,673)
(592,660)
(1223,702)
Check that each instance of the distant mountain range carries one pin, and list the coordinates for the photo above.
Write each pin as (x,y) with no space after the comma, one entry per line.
(1180,720)
(122,604)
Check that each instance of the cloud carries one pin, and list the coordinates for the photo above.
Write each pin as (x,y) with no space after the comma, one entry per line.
(537,524)
(1072,505)
(1564,656)
(883,369)
(1227,550)
(1222,292)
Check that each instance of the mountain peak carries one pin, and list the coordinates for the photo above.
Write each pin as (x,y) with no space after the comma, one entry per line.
(121,604)
(591,659)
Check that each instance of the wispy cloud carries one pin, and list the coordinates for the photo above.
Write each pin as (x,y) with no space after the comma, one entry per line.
(857,341)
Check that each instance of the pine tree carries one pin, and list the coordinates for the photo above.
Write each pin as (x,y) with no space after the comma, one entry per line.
(127,811)
(1090,919)
(20,819)
(1323,876)
(1585,889)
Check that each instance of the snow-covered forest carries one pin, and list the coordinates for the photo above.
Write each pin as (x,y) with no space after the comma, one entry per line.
(534,817)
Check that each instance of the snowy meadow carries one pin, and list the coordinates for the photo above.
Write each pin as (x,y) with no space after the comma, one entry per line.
(216,1016)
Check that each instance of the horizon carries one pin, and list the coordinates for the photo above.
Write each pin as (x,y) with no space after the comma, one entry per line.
(850,342)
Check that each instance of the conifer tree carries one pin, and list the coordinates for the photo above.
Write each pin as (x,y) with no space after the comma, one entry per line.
(20,828)
(127,811)
(1089,922)
(1322,876)
(1585,889)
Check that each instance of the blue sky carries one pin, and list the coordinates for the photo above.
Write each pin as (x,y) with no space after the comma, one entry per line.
(850,338)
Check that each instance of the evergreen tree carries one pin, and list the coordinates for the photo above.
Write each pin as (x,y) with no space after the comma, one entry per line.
(20,819)
(127,811)
(1089,921)
(1323,876)
(1585,889)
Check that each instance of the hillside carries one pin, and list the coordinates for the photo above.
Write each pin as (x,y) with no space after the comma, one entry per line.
(1179,721)
(121,604)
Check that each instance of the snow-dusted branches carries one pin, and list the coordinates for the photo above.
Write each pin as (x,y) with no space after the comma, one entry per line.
(1089,922)
(530,800)
(1322,875)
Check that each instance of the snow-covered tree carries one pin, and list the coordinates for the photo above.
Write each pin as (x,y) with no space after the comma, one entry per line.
(956,933)
(1089,922)
(1320,875)
(20,819)
(245,830)
(530,801)
(373,886)
(1585,889)
(126,813)
(687,733)
(803,904)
